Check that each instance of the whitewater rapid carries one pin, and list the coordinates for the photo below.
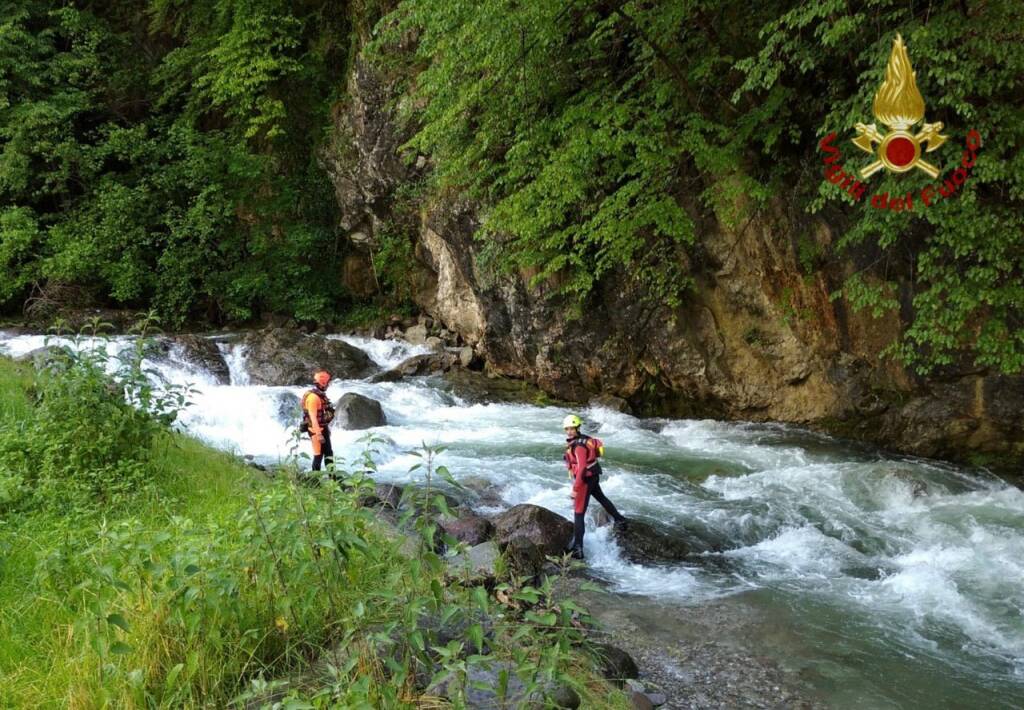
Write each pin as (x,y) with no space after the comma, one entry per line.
(906,560)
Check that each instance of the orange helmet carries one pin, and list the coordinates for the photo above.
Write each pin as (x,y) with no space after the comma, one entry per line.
(322,377)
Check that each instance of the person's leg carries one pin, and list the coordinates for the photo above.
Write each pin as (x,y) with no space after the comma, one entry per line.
(579,526)
(594,489)
(318,456)
(328,450)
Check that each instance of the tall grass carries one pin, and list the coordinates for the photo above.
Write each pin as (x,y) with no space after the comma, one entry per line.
(212,585)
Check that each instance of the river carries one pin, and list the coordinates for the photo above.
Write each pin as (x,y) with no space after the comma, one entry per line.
(883,581)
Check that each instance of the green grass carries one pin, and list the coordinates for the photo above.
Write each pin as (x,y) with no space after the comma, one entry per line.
(212,580)
(37,663)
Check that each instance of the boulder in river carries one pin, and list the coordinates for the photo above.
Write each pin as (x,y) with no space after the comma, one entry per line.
(468,528)
(483,491)
(610,401)
(287,408)
(616,664)
(389,495)
(354,411)
(547,530)
(287,357)
(46,357)
(642,543)
(476,563)
(418,365)
(204,352)
(524,558)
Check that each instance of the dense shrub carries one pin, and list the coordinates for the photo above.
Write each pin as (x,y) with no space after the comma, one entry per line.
(90,435)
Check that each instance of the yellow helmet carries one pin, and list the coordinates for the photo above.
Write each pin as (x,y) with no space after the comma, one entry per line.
(572,421)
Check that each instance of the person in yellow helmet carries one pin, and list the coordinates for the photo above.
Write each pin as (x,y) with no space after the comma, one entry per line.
(581,458)
(317,414)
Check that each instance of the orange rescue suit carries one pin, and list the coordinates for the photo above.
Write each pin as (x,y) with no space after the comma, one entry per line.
(317,414)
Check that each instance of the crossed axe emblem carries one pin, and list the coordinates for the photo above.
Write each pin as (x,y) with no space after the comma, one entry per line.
(899,150)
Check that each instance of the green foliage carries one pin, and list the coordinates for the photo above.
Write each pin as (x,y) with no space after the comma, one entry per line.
(560,119)
(224,589)
(962,257)
(593,132)
(171,165)
(88,440)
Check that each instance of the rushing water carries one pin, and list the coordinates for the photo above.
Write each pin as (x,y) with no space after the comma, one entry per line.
(885,582)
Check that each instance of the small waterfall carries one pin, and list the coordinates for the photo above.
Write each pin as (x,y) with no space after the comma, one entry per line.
(234,356)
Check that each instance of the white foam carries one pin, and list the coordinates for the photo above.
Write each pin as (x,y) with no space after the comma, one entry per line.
(733,442)
(385,353)
(948,548)
(235,356)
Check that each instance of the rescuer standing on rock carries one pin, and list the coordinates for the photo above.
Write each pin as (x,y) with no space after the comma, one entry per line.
(317,414)
(581,454)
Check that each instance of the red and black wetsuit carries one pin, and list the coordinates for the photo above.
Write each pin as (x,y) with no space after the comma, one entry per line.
(581,460)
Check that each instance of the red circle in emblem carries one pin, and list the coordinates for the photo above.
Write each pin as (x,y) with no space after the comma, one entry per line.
(900,151)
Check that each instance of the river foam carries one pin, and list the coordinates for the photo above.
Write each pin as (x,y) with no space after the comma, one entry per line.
(924,559)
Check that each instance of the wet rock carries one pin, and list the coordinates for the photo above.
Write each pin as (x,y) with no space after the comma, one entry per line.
(204,353)
(642,543)
(354,411)
(389,495)
(385,495)
(287,357)
(600,516)
(468,528)
(476,563)
(417,335)
(524,558)
(616,664)
(478,387)
(251,462)
(287,408)
(466,356)
(416,499)
(393,375)
(46,357)
(545,529)
(483,491)
(610,401)
(419,365)
(640,701)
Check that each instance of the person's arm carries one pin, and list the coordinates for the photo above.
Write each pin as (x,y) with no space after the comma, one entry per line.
(313,408)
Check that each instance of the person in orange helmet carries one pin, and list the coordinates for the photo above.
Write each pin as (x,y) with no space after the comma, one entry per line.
(317,414)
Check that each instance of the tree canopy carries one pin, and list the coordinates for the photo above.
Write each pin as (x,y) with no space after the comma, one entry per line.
(164,152)
(601,131)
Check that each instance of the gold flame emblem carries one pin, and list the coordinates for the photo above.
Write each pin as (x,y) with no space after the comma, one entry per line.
(898,105)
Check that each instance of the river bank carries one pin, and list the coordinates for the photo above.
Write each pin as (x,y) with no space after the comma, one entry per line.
(907,563)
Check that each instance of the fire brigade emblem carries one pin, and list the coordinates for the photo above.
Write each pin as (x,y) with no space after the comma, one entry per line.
(899,106)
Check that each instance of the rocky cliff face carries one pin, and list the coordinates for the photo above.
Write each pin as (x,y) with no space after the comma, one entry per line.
(757,340)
